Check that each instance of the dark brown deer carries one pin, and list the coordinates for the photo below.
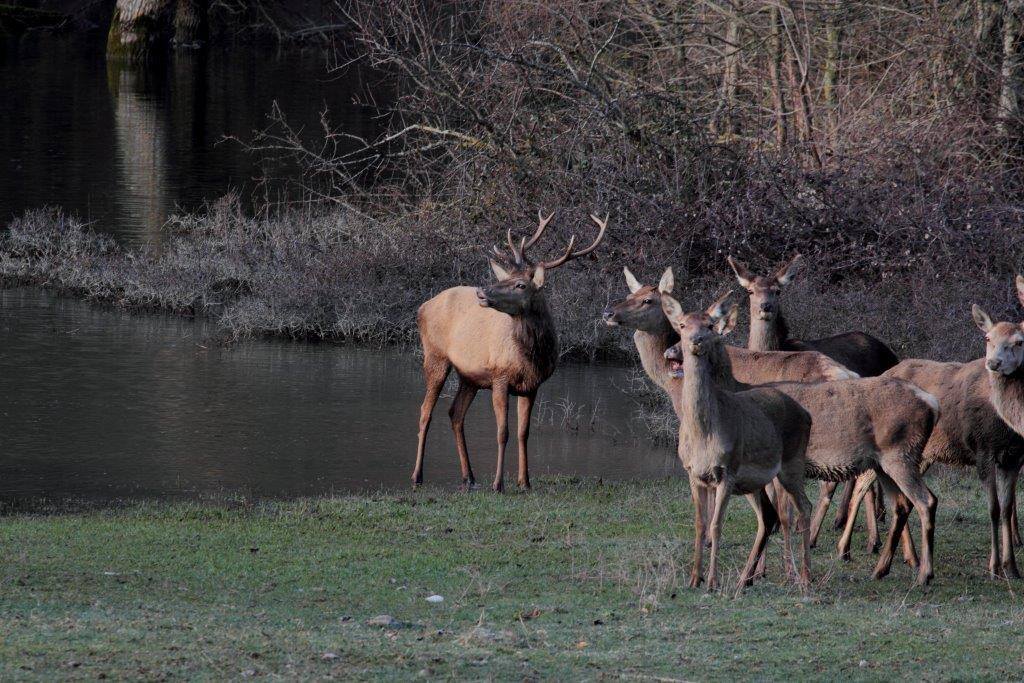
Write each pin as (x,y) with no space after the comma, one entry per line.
(858,351)
(499,337)
(734,441)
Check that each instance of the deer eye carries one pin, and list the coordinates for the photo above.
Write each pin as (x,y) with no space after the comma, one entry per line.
(520,285)
(648,302)
(750,291)
(987,338)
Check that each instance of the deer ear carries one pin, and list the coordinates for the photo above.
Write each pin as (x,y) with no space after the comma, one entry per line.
(727,323)
(717,309)
(631,281)
(1020,289)
(743,274)
(981,318)
(667,282)
(499,272)
(538,276)
(788,272)
(671,307)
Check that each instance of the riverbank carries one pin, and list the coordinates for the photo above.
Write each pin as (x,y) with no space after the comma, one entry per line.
(575,580)
(334,274)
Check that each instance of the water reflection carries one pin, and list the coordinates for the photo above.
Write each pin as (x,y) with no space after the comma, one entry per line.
(102,404)
(122,147)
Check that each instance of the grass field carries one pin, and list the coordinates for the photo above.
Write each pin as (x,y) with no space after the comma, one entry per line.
(576,580)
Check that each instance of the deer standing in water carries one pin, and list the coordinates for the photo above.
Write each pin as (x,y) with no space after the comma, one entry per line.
(499,337)
(734,441)
(982,422)
(858,351)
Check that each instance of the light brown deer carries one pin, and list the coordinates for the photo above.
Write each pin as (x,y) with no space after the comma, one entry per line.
(874,423)
(858,351)
(499,337)
(982,422)
(653,335)
(733,441)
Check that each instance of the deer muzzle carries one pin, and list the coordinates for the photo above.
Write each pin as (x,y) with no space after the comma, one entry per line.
(481,296)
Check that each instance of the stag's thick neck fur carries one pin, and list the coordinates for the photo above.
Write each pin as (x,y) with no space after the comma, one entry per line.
(768,335)
(534,334)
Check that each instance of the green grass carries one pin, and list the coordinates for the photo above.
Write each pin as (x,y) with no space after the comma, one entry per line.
(574,581)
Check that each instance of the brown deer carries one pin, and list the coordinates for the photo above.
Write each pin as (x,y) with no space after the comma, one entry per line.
(982,422)
(860,352)
(499,337)
(874,423)
(653,335)
(734,441)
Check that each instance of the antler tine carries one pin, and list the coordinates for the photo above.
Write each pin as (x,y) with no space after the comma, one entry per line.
(570,254)
(542,224)
(548,265)
(517,254)
(603,224)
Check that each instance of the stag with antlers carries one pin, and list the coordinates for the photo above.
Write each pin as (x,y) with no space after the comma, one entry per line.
(499,337)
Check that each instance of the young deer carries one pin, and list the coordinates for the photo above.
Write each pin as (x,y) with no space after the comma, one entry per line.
(860,352)
(982,422)
(499,337)
(874,423)
(733,441)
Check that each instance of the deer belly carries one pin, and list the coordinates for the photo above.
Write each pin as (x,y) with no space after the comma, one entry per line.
(751,477)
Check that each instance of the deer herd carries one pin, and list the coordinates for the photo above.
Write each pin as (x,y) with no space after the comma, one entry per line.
(755,421)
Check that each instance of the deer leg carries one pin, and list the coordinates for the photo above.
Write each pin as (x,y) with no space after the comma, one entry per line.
(721,500)
(901,511)
(697,493)
(859,487)
(460,406)
(1014,524)
(993,513)
(908,477)
(525,409)
(792,480)
(828,489)
(1006,481)
(709,512)
(871,502)
(499,399)
(843,511)
(436,372)
(765,520)
(777,506)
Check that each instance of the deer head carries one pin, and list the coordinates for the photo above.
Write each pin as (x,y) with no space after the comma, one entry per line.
(1004,342)
(641,310)
(764,290)
(701,332)
(520,280)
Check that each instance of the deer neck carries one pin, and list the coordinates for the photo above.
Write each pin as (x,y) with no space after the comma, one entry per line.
(652,346)
(1008,398)
(767,335)
(534,333)
(705,380)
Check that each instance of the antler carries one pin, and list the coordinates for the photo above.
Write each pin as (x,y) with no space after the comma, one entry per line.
(542,224)
(570,254)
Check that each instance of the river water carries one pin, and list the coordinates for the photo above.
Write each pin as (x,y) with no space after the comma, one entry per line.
(101,404)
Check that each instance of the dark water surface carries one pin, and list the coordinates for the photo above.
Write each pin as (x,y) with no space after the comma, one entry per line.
(123,147)
(102,405)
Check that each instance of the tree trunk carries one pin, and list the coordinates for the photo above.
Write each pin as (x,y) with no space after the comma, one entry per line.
(730,75)
(190,23)
(1011,75)
(775,52)
(138,27)
(833,40)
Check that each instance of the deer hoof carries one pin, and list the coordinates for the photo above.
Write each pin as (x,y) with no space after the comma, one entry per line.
(524,484)
(498,486)
(1010,571)
(695,580)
